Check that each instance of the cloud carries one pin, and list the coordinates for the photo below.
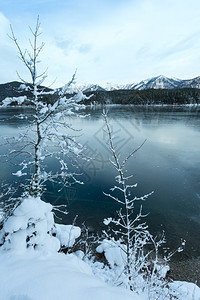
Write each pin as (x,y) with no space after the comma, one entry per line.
(85,48)
(6,50)
(122,41)
(4,28)
(64,44)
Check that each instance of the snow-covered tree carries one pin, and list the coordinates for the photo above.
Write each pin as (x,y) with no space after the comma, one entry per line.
(47,136)
(130,249)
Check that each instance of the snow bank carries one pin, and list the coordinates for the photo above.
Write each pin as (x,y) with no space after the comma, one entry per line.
(186,290)
(58,276)
(153,288)
(32,269)
(33,276)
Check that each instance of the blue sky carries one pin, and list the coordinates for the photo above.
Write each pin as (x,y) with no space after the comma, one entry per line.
(120,41)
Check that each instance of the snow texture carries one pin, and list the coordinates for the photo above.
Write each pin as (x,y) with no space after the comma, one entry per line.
(20,100)
(19,173)
(33,269)
(30,227)
(113,252)
(67,234)
(58,276)
(33,276)
(115,256)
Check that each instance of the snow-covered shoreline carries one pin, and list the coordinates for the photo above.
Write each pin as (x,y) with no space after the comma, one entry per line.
(65,277)
(111,105)
(33,269)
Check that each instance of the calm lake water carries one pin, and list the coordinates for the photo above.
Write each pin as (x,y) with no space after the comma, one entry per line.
(168,164)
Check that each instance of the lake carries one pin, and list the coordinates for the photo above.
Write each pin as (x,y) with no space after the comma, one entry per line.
(168,164)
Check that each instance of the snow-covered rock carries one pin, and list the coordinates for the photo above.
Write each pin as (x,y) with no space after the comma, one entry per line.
(113,252)
(67,234)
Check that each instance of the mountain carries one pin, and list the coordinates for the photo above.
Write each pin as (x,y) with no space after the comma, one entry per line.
(10,89)
(93,88)
(114,86)
(17,89)
(188,93)
(190,83)
(158,82)
(85,88)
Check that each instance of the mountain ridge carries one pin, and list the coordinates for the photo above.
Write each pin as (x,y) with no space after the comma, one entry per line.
(158,89)
(157,82)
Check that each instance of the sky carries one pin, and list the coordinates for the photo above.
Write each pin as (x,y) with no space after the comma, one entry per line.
(107,41)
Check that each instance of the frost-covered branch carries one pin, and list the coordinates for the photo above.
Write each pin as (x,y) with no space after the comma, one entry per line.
(48,133)
(131,251)
(128,230)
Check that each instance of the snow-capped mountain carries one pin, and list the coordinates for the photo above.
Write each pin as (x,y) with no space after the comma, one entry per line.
(114,86)
(158,82)
(87,87)
(190,83)
(92,88)
(15,89)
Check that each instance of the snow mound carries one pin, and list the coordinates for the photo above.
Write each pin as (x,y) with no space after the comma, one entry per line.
(30,227)
(58,276)
(67,234)
(114,252)
(33,276)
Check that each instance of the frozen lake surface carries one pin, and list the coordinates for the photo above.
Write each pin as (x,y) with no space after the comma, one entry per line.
(168,164)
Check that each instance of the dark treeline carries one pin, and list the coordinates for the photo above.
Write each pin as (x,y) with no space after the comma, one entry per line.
(16,89)
(151,96)
(134,97)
